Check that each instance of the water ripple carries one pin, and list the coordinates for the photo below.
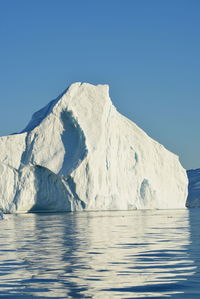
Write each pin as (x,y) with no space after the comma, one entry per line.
(137,254)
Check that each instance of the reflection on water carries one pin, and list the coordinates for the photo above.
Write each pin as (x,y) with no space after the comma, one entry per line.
(135,254)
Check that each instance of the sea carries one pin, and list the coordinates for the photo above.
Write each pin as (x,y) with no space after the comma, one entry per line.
(111,254)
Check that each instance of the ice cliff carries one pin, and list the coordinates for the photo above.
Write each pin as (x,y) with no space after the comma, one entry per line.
(193,200)
(79,153)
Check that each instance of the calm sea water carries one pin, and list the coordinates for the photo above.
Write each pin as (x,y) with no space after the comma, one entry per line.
(134,254)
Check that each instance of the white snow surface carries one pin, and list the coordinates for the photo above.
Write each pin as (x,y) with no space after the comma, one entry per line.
(79,153)
(193,200)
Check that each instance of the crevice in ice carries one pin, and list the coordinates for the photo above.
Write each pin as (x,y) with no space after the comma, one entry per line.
(147,193)
(143,188)
(29,144)
(74,143)
(135,157)
(70,182)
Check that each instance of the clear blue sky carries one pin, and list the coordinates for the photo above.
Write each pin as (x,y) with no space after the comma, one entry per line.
(148,51)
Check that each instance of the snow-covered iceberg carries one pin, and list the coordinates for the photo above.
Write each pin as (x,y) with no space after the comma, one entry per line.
(79,153)
(193,200)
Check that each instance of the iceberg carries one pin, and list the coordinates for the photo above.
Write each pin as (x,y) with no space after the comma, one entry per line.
(193,200)
(78,153)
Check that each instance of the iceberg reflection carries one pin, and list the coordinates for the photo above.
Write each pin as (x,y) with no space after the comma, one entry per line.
(131,254)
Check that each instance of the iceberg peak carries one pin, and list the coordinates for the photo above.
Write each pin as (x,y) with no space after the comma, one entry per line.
(66,98)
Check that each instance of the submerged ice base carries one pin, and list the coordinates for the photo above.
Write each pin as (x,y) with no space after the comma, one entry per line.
(79,153)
